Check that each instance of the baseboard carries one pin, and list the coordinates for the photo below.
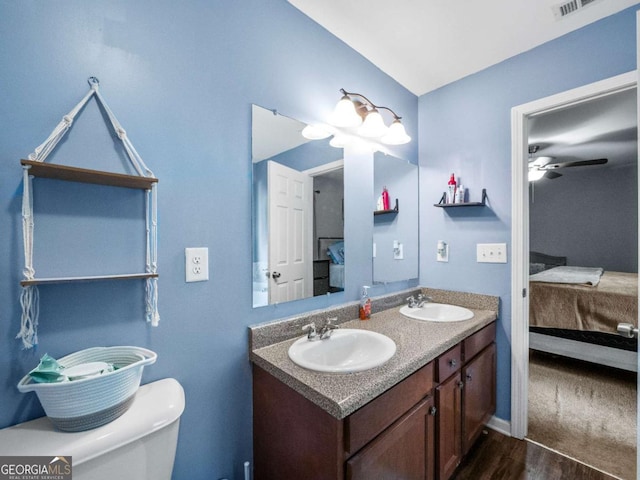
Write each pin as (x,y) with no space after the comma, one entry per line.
(500,425)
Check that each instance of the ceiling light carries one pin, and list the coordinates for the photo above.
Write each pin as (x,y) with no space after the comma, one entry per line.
(535,174)
(315,132)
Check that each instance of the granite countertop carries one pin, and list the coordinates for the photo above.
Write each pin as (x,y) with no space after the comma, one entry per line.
(417,343)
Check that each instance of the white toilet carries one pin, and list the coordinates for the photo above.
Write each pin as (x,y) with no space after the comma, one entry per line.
(139,445)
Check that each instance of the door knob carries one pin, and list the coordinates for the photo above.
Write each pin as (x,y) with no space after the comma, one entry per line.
(275,275)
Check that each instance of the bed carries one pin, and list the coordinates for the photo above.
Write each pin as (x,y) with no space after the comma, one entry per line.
(332,248)
(580,320)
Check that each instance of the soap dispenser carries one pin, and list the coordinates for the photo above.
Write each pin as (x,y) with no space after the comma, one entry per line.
(365,304)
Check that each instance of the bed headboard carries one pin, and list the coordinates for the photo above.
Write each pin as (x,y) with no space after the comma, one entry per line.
(541,261)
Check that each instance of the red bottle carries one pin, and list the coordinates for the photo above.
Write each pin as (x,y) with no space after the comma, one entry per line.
(385,199)
(451,189)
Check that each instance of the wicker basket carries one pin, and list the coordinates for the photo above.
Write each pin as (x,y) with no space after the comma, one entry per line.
(88,403)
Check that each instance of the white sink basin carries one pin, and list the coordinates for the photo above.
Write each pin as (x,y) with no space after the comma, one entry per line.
(437,312)
(346,351)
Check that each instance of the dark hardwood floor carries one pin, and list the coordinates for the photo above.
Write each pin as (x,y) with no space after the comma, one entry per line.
(498,457)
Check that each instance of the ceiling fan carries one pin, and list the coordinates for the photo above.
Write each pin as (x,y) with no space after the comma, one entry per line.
(545,166)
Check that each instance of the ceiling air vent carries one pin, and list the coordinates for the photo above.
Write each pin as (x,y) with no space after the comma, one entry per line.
(566,8)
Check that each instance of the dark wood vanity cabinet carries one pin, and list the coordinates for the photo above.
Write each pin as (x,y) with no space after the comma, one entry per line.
(403,451)
(415,430)
(394,433)
(449,425)
(465,398)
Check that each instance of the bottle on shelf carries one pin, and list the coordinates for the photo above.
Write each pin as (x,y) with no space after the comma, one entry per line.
(451,189)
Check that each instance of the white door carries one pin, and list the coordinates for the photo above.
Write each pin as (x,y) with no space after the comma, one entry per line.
(290,226)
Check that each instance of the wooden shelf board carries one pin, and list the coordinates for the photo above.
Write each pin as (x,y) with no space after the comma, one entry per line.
(396,209)
(83,175)
(442,203)
(467,204)
(94,278)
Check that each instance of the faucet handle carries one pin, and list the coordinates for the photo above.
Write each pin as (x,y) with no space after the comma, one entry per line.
(312,334)
(412,301)
(325,331)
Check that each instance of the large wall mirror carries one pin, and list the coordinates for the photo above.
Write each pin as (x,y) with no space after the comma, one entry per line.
(298,212)
(395,230)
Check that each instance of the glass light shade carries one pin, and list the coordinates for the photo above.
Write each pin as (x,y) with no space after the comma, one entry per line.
(315,132)
(373,125)
(340,141)
(396,135)
(535,174)
(345,114)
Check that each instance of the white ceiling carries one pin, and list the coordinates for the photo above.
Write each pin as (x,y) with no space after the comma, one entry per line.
(604,127)
(425,44)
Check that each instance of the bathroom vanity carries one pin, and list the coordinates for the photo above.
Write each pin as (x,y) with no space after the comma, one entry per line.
(416,416)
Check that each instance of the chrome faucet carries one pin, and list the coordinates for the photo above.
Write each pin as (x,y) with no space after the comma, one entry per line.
(412,302)
(328,328)
(325,331)
(422,299)
(312,335)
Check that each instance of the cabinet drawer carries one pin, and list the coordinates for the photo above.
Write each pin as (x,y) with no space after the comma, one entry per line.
(449,363)
(367,422)
(476,342)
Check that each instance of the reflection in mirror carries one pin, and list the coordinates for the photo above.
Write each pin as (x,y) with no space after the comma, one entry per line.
(395,233)
(298,212)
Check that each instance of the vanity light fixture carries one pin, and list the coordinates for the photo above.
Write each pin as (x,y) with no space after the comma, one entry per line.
(315,132)
(361,112)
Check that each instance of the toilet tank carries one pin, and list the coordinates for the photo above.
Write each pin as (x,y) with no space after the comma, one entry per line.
(139,445)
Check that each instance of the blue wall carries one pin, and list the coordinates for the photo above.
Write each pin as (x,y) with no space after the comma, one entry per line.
(590,217)
(465,128)
(181,78)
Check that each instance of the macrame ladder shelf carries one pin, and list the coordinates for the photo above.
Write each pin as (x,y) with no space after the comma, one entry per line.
(35,167)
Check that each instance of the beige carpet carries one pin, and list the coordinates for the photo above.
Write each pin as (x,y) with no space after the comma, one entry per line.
(585,411)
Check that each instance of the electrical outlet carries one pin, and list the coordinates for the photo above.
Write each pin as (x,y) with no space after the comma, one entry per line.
(442,252)
(196,264)
(398,250)
(491,253)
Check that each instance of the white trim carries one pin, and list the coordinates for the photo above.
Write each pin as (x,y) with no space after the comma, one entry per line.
(327,167)
(500,425)
(520,230)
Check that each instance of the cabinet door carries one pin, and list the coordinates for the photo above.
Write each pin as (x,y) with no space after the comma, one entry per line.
(479,378)
(404,451)
(449,425)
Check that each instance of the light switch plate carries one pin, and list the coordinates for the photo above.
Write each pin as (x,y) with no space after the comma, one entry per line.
(196,265)
(491,252)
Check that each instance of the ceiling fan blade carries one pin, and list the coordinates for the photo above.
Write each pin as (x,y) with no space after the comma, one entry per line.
(551,175)
(577,163)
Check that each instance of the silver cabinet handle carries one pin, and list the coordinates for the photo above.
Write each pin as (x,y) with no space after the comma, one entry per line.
(433,411)
(453,363)
(461,385)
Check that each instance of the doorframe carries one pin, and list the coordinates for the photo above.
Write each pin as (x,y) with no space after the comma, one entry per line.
(520,229)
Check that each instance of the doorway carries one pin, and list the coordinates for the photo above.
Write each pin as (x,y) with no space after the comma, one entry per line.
(520,117)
